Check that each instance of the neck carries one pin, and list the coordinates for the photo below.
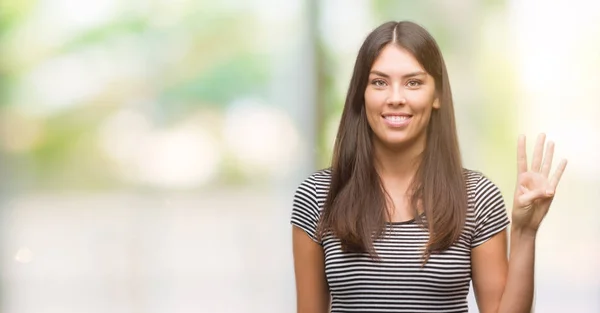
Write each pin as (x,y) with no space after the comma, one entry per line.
(400,164)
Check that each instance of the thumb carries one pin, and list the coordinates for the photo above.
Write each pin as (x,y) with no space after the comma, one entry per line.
(528,197)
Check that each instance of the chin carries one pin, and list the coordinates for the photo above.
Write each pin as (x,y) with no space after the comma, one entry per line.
(398,140)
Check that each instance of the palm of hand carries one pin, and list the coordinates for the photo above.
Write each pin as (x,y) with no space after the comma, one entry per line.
(535,190)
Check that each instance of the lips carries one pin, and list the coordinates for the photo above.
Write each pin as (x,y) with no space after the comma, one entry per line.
(397,120)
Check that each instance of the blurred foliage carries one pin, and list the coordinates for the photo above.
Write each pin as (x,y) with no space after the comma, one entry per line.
(244,74)
(70,153)
(13,12)
(427,13)
(219,61)
(135,25)
(206,58)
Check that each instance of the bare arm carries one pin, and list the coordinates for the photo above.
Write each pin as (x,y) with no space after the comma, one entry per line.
(518,293)
(312,292)
(489,271)
(503,286)
(533,196)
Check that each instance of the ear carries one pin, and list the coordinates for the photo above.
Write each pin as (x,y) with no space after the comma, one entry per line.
(436,103)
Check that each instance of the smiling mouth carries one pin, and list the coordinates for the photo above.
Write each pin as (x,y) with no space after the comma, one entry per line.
(397,120)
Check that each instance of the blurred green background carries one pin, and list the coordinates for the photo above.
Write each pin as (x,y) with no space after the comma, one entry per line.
(150,149)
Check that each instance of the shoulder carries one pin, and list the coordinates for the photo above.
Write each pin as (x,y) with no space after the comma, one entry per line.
(308,201)
(489,209)
(313,189)
(483,193)
(472,176)
(478,183)
(322,176)
(316,184)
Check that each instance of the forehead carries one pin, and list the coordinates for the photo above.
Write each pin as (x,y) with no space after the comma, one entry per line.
(395,60)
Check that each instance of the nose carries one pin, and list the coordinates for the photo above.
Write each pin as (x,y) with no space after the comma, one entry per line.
(396,96)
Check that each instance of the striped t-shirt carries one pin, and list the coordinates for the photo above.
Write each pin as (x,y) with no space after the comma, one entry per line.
(398,282)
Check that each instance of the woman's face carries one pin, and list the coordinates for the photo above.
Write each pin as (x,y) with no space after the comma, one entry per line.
(399,98)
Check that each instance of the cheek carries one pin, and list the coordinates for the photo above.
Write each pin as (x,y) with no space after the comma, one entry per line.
(422,102)
(374,100)
(371,103)
(372,109)
(369,99)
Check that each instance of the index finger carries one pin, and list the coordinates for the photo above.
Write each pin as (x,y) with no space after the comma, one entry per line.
(521,155)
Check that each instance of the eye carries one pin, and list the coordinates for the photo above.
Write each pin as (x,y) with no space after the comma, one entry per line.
(414,83)
(378,83)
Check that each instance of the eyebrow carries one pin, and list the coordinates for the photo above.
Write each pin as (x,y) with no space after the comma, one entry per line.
(413,74)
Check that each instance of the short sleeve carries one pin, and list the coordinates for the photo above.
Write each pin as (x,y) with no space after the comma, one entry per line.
(305,208)
(491,216)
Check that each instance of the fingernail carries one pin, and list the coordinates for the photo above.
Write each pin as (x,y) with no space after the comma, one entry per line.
(549,192)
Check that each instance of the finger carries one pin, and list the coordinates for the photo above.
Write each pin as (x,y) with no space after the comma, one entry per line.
(560,169)
(523,189)
(547,165)
(528,198)
(521,155)
(536,162)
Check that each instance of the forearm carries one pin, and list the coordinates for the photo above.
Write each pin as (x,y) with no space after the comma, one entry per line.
(518,292)
(316,305)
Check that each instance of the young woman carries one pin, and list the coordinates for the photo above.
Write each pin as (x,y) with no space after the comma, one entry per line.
(397,224)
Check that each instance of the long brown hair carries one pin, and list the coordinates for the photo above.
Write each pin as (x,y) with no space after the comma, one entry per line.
(355,208)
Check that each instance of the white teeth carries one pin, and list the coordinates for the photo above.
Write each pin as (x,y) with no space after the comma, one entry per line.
(396,118)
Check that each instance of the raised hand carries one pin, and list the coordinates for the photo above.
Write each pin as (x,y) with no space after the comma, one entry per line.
(535,188)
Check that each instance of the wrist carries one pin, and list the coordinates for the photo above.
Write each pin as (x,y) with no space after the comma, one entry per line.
(523,233)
